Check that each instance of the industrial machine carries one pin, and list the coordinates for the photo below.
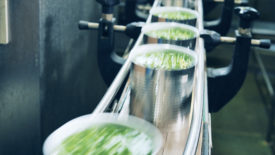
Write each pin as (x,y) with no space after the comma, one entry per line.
(209,94)
(55,83)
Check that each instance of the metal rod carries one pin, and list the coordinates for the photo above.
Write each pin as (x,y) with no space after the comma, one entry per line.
(144,7)
(120,28)
(255,42)
(127,50)
(207,117)
(113,89)
(93,25)
(265,75)
(232,40)
(123,96)
(194,133)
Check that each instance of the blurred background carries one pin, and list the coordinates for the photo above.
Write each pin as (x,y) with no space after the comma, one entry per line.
(49,75)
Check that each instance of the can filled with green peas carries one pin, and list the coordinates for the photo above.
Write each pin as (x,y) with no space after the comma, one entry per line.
(161,84)
(174,14)
(170,33)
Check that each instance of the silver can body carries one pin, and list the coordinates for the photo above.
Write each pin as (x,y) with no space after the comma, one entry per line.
(188,43)
(183,3)
(162,97)
(191,22)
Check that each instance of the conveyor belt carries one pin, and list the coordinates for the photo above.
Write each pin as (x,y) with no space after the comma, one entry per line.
(191,137)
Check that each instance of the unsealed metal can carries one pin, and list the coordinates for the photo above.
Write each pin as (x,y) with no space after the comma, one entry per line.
(157,10)
(188,43)
(182,3)
(162,97)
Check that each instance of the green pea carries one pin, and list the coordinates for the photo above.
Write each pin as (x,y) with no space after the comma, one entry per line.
(165,59)
(176,15)
(107,139)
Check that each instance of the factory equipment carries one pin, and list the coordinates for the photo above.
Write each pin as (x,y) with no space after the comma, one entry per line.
(207,94)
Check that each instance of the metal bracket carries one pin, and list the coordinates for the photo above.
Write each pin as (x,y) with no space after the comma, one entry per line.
(224,83)
(222,25)
(4,22)
(105,51)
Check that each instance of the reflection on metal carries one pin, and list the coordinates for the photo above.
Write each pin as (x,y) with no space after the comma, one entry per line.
(93,25)
(182,3)
(117,82)
(185,141)
(194,133)
(162,97)
(265,75)
(4,22)
(263,43)
(239,2)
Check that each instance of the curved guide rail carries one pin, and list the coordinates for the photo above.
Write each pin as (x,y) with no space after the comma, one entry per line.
(192,144)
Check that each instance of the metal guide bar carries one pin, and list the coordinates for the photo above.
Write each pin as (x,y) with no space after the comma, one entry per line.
(194,134)
(199,85)
(265,75)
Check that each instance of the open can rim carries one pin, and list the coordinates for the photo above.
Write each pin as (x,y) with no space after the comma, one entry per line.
(161,47)
(172,9)
(165,25)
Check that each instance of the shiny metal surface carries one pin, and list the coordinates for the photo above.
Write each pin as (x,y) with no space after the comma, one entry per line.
(116,84)
(173,140)
(183,3)
(264,72)
(162,97)
(200,83)
(4,22)
(189,43)
(239,2)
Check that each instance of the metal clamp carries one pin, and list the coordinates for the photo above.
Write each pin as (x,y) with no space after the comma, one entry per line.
(212,39)
(132,30)
(224,83)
